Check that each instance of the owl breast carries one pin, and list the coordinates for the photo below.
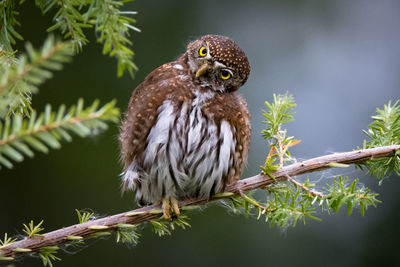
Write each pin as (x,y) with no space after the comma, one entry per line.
(187,154)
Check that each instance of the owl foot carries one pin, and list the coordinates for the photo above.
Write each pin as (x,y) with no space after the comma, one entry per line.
(170,204)
(175,207)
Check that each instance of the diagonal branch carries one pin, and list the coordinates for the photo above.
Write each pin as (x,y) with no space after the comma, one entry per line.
(146,214)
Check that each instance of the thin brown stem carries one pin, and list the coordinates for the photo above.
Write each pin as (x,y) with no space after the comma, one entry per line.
(309,191)
(146,214)
(252,201)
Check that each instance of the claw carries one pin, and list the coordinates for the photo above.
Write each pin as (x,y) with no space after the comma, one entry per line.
(170,204)
(175,206)
(166,207)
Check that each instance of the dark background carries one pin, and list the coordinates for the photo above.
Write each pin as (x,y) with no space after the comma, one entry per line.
(340,59)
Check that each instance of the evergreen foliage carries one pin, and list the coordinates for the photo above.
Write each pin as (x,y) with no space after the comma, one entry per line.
(291,201)
(47,256)
(84,216)
(21,76)
(8,20)
(163,227)
(22,129)
(279,113)
(19,136)
(111,24)
(33,230)
(383,131)
(7,241)
(126,233)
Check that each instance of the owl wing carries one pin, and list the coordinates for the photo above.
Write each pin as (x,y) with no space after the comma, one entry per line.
(159,85)
(233,109)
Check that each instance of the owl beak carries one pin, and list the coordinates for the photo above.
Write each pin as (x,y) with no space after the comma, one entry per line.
(203,69)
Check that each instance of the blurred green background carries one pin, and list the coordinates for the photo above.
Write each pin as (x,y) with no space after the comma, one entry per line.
(340,59)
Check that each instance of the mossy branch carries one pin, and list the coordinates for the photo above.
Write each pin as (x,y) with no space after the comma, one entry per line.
(37,244)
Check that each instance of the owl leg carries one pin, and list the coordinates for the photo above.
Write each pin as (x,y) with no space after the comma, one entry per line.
(168,204)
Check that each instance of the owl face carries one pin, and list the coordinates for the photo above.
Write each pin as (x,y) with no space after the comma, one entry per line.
(218,62)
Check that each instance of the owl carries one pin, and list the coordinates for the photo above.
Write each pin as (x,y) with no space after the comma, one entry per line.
(186,132)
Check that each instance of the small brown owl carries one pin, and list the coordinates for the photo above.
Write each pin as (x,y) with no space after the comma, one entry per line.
(186,133)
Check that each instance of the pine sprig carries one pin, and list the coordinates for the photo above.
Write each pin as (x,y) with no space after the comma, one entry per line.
(163,227)
(69,20)
(383,131)
(84,216)
(279,112)
(113,28)
(352,196)
(126,233)
(21,76)
(7,241)
(8,21)
(33,230)
(111,24)
(18,136)
(284,206)
(287,202)
(47,255)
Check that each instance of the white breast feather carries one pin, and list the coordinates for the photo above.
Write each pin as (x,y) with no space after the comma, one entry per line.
(207,169)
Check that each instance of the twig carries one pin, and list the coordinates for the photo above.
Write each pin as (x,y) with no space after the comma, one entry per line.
(309,191)
(146,214)
(252,201)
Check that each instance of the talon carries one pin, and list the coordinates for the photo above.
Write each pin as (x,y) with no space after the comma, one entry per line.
(166,207)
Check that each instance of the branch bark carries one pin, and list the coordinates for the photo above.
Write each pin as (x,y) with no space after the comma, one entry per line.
(146,214)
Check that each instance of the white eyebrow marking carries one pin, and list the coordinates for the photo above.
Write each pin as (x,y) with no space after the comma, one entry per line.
(222,66)
(219,64)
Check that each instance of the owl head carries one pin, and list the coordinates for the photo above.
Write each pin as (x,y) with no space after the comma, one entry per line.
(218,63)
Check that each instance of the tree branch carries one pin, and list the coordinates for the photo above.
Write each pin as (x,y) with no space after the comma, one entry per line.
(146,214)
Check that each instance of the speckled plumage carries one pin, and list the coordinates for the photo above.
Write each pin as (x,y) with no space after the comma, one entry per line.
(228,52)
(186,132)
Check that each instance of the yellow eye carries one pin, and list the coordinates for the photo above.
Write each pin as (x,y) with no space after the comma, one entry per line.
(225,75)
(203,51)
